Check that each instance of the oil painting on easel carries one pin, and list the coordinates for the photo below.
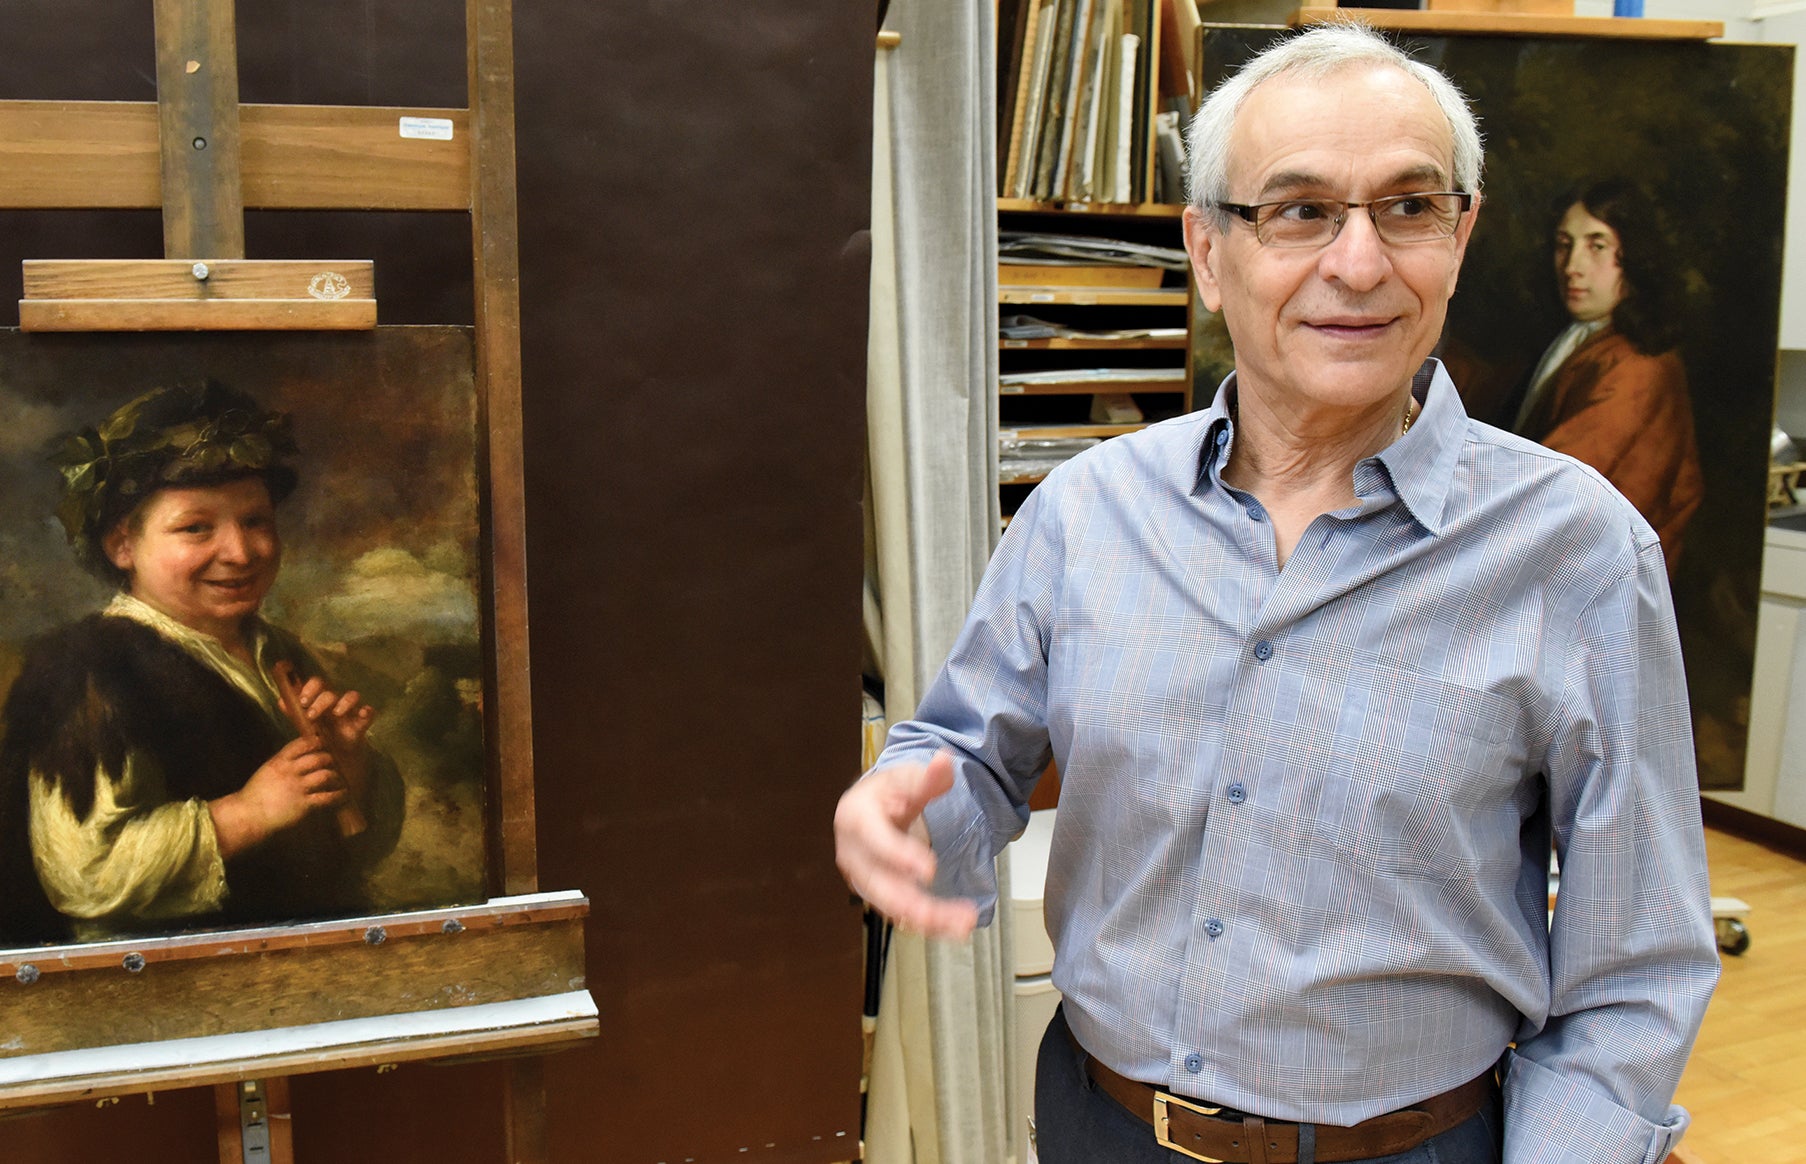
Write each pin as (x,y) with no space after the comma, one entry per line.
(1620,299)
(240,630)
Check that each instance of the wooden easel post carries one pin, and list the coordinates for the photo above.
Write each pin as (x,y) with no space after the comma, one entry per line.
(197,115)
(495,243)
(204,218)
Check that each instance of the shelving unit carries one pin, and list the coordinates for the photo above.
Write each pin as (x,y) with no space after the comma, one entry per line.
(1083,89)
(1095,316)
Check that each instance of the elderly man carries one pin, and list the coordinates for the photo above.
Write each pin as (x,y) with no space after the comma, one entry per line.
(1327,669)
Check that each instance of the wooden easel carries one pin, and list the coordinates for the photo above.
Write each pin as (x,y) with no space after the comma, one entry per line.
(202,158)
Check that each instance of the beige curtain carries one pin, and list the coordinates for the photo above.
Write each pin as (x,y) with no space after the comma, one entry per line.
(941,1087)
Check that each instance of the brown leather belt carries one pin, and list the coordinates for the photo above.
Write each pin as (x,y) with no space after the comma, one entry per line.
(1196,1130)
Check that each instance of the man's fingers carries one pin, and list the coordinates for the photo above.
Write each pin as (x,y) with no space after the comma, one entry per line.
(870,842)
(885,862)
(918,786)
(914,908)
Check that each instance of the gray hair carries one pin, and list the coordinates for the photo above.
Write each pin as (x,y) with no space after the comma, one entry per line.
(1315,54)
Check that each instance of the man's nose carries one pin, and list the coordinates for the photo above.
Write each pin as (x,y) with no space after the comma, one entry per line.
(1356,257)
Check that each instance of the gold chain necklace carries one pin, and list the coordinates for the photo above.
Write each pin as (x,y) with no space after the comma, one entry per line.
(1410,415)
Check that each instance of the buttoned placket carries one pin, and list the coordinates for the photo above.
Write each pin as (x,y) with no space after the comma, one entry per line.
(1273,601)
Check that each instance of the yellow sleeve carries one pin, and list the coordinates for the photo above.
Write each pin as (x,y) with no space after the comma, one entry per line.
(136,856)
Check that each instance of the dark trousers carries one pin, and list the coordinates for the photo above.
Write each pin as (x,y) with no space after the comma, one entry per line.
(1075,1123)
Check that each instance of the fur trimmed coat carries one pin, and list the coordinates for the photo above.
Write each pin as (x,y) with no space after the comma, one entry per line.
(98,690)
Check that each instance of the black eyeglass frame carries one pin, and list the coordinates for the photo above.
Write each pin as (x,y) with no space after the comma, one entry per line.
(1249,212)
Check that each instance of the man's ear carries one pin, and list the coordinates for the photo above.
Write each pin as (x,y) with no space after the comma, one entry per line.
(1463,231)
(1202,240)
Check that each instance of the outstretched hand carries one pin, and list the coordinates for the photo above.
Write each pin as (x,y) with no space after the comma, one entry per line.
(881,846)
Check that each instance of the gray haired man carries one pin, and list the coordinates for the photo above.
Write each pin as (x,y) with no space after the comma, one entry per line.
(1328,669)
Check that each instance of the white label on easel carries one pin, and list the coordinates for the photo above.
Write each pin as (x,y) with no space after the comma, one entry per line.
(427,128)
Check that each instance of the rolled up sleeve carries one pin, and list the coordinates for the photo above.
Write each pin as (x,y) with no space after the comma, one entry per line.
(987,708)
(1633,961)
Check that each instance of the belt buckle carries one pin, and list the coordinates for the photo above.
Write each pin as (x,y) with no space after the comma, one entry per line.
(1161,1124)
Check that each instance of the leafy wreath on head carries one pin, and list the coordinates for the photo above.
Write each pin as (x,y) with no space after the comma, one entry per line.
(214,433)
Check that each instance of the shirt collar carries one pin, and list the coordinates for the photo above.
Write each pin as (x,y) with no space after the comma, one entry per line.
(253,681)
(1420,465)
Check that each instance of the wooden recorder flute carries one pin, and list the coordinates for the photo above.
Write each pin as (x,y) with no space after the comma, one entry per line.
(288,685)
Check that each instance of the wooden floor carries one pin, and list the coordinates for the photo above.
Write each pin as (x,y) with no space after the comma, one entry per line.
(1746,1083)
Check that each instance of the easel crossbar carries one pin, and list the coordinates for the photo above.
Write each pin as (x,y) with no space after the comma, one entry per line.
(105,155)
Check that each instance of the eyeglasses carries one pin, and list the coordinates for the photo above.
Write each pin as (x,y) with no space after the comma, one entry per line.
(1399,220)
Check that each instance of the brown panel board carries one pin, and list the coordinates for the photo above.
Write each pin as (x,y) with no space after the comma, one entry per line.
(694,361)
(104,154)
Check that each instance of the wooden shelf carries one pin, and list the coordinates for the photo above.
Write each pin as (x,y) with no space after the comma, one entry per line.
(1070,431)
(1094,296)
(1073,344)
(1519,24)
(1096,209)
(1091,388)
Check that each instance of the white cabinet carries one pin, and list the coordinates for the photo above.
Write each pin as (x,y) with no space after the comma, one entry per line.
(1036,998)
(1774,771)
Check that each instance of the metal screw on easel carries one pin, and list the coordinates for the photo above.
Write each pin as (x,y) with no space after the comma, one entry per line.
(201,271)
(26,974)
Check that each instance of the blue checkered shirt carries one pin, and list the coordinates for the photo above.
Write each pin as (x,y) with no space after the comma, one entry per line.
(1300,867)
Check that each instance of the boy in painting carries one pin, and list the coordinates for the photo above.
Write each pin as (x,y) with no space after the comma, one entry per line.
(153,774)
(1611,389)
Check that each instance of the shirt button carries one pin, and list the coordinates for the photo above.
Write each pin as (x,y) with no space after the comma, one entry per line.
(1237,793)
(1263,650)
(1214,928)
(1194,1062)
(1257,513)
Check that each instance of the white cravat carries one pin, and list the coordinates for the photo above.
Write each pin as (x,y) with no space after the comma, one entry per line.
(1559,350)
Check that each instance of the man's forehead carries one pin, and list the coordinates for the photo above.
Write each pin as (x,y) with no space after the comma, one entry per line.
(1367,109)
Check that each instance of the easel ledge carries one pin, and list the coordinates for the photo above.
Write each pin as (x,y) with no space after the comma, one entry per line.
(118,1017)
(492,1029)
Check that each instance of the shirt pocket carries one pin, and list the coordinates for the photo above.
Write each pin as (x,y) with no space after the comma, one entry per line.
(1426,778)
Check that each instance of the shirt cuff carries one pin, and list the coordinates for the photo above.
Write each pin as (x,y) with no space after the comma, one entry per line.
(1556,1118)
(962,865)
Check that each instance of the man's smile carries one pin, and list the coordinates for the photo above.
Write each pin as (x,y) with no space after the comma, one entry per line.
(1351,326)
